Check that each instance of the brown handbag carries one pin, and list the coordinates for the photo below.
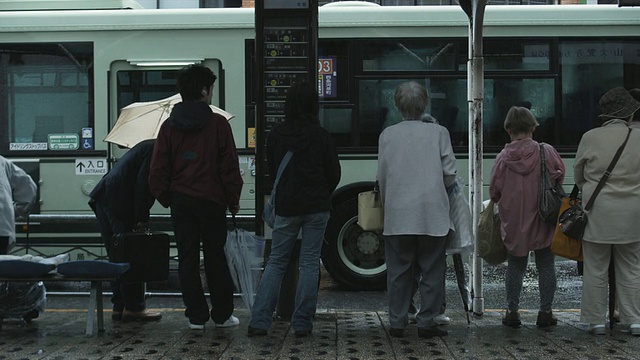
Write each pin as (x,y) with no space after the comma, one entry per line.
(563,245)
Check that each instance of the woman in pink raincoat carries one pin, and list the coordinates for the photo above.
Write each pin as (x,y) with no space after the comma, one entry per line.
(514,187)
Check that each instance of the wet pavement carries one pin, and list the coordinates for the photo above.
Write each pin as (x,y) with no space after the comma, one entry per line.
(348,325)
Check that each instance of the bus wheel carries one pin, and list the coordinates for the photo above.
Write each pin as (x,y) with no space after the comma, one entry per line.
(353,257)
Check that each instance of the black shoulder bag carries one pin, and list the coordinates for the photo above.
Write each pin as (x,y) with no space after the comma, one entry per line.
(550,193)
(573,220)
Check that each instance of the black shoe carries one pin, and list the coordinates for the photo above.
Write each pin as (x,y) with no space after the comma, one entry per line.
(33,314)
(302,333)
(256,332)
(546,319)
(397,333)
(431,331)
(512,319)
(116,315)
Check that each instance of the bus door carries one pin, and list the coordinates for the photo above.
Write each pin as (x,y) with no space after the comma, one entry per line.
(141,81)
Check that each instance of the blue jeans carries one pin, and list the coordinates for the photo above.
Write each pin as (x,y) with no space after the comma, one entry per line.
(285,234)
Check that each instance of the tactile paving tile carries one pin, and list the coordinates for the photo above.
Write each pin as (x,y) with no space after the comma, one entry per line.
(59,335)
(360,335)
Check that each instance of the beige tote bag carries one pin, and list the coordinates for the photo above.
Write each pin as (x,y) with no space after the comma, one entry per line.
(370,211)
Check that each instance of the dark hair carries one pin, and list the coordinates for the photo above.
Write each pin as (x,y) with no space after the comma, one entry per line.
(192,79)
(301,103)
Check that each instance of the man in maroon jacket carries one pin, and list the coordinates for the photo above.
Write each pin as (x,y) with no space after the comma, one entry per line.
(195,171)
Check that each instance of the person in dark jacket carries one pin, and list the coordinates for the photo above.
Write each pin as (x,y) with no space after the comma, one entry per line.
(195,171)
(303,202)
(122,201)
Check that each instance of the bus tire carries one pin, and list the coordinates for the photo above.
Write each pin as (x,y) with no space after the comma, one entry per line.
(352,256)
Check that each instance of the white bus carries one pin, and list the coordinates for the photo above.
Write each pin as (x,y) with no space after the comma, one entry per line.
(64,75)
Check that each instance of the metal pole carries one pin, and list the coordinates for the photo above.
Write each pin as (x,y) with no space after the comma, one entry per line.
(475,92)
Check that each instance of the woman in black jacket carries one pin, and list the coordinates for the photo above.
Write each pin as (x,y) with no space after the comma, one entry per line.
(303,202)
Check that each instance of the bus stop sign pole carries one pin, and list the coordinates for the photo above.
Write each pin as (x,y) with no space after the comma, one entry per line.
(475,93)
(285,53)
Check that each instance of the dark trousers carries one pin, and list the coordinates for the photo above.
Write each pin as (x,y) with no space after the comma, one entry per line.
(4,245)
(129,295)
(197,221)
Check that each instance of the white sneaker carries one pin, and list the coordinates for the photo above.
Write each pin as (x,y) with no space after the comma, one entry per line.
(442,319)
(196,326)
(634,329)
(596,329)
(232,321)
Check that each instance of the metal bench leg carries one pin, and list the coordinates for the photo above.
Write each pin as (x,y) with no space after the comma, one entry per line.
(95,303)
(93,300)
(99,306)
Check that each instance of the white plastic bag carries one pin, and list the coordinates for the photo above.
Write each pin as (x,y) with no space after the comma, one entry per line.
(460,239)
(25,300)
(245,257)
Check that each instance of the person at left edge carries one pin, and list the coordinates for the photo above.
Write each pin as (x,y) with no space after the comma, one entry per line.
(195,171)
(17,193)
(121,202)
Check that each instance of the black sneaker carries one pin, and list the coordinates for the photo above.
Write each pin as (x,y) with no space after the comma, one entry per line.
(431,331)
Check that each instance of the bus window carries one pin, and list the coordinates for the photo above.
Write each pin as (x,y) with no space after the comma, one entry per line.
(515,54)
(501,94)
(337,121)
(588,70)
(46,88)
(448,105)
(145,85)
(409,55)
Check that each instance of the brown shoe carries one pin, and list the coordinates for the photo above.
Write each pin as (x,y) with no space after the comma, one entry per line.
(512,319)
(546,318)
(144,315)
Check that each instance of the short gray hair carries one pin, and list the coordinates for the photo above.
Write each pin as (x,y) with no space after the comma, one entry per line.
(520,120)
(411,100)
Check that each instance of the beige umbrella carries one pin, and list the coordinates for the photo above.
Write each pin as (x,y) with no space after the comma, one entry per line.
(142,120)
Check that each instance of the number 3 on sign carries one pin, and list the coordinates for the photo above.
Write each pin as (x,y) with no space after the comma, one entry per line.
(325,66)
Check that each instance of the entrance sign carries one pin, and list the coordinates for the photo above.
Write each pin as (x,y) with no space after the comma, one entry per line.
(91,166)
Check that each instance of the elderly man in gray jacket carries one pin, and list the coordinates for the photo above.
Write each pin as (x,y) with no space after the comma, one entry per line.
(416,164)
(17,194)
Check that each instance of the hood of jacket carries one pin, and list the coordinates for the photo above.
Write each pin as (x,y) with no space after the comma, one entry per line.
(190,116)
(522,156)
(296,135)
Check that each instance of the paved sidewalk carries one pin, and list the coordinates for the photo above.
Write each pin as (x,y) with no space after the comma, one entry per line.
(59,334)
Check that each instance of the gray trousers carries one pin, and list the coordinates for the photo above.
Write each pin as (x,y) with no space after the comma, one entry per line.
(516,268)
(401,253)
(595,281)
